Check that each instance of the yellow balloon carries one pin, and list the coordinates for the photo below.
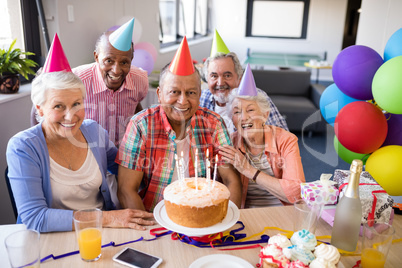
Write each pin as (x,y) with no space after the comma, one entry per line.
(385,165)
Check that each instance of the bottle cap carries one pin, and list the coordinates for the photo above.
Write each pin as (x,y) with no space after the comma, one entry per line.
(356,166)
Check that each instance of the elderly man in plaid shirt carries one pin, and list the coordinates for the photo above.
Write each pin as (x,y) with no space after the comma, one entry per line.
(223,73)
(178,125)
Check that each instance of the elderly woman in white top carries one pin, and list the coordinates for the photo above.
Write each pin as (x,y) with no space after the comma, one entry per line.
(59,165)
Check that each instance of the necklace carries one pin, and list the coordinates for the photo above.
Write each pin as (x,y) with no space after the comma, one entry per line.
(252,157)
(62,154)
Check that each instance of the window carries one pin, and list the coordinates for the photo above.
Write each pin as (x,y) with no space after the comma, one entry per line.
(179,18)
(19,19)
(277,19)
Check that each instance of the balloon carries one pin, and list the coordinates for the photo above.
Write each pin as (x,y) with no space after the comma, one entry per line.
(361,127)
(394,135)
(148,47)
(144,60)
(393,48)
(385,167)
(354,69)
(347,155)
(331,101)
(113,28)
(387,86)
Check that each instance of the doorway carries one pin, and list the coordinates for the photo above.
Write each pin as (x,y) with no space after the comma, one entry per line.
(351,23)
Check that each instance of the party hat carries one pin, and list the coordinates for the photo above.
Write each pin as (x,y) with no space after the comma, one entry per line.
(121,38)
(182,64)
(56,60)
(247,84)
(218,45)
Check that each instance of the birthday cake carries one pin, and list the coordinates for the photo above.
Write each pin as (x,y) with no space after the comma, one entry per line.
(196,203)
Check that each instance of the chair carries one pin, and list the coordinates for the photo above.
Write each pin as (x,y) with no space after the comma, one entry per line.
(10,192)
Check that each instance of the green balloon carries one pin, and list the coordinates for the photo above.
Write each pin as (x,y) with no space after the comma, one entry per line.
(347,155)
(387,86)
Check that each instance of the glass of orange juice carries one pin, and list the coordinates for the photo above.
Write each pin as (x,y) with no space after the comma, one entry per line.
(88,228)
(377,239)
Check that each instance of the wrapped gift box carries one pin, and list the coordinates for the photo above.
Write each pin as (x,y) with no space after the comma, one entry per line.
(368,187)
(321,192)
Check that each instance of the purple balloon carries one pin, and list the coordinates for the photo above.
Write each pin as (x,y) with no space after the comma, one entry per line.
(144,60)
(113,28)
(394,135)
(353,71)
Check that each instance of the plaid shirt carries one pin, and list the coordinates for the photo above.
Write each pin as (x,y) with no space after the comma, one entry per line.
(274,119)
(112,109)
(148,146)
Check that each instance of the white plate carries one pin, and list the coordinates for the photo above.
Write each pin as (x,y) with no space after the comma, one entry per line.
(220,261)
(162,218)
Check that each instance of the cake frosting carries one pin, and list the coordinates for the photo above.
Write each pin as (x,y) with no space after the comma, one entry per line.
(299,252)
(297,264)
(305,238)
(328,252)
(195,203)
(320,262)
(273,256)
(281,240)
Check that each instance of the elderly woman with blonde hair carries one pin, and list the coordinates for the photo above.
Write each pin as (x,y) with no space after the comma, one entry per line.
(267,157)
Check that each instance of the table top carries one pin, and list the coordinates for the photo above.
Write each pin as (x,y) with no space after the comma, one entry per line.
(279,59)
(178,254)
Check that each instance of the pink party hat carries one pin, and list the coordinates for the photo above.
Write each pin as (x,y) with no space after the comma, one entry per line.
(218,45)
(247,84)
(182,64)
(121,38)
(56,60)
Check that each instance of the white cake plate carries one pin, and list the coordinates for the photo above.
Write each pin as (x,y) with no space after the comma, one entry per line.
(162,218)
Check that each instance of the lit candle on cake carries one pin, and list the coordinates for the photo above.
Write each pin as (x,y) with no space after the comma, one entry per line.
(196,169)
(182,166)
(216,167)
(208,164)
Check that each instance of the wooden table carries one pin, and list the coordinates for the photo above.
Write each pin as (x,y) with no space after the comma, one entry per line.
(177,254)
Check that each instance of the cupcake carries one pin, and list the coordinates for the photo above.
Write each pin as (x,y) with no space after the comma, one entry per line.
(299,252)
(327,252)
(320,262)
(272,256)
(305,238)
(297,264)
(281,240)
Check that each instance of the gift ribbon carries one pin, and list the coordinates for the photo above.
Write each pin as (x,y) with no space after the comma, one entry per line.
(222,239)
(370,216)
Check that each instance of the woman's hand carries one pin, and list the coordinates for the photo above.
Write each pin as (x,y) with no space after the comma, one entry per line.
(237,159)
(127,218)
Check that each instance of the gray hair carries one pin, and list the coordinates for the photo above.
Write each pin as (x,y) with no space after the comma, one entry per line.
(166,70)
(220,55)
(260,99)
(56,80)
(104,39)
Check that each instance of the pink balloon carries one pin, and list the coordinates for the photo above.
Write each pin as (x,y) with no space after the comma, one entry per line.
(144,60)
(148,47)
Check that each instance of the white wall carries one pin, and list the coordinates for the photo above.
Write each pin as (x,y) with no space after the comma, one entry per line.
(378,21)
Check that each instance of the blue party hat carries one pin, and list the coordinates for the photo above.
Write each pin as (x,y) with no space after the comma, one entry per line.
(121,38)
(247,84)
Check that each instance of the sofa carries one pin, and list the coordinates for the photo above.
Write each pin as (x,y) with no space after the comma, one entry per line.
(297,99)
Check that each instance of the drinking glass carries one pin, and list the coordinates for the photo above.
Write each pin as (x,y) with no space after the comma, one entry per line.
(88,228)
(307,216)
(377,240)
(23,248)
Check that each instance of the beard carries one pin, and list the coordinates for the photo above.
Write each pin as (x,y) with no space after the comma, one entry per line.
(222,97)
